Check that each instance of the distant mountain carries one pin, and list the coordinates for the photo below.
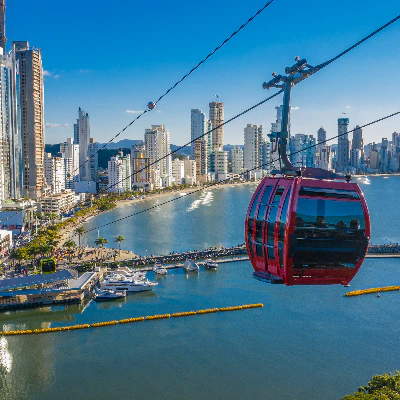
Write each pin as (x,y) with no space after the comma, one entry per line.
(122,144)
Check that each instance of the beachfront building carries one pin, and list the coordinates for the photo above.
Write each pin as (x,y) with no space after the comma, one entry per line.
(31,109)
(237,160)
(178,171)
(119,173)
(54,171)
(216,119)
(59,203)
(198,122)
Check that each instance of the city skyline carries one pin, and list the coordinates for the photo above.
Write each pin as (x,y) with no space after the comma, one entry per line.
(75,76)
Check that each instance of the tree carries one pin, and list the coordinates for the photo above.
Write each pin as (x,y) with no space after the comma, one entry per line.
(380,387)
(100,242)
(19,254)
(70,245)
(119,239)
(80,230)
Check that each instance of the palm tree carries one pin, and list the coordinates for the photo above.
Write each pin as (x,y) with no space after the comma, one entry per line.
(70,244)
(80,230)
(119,239)
(100,242)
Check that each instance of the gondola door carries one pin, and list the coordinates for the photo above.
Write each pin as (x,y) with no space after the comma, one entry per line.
(275,226)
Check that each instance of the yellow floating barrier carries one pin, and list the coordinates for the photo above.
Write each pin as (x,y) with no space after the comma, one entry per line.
(372,290)
(184,314)
(231,308)
(208,311)
(129,320)
(253,305)
(161,316)
(107,323)
(22,332)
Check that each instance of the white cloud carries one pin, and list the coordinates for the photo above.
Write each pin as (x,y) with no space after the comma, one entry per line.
(295,108)
(133,111)
(347,107)
(379,108)
(49,125)
(46,73)
(56,76)
(84,70)
(158,111)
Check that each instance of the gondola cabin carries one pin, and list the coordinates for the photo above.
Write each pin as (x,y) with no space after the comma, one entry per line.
(48,265)
(302,231)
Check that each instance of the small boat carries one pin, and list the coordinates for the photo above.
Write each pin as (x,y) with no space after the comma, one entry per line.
(190,265)
(211,264)
(159,269)
(107,295)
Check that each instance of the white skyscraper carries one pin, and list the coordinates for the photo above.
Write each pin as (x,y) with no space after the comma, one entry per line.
(237,160)
(70,152)
(178,171)
(119,169)
(157,147)
(82,129)
(221,164)
(253,139)
(54,170)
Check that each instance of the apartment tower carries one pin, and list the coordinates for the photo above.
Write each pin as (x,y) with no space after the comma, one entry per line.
(31,102)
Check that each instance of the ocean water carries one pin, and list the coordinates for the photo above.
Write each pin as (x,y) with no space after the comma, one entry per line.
(305,343)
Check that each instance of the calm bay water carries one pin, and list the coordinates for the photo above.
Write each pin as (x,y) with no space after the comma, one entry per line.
(306,343)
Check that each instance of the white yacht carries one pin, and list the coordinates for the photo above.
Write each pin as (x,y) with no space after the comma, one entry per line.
(159,269)
(211,264)
(120,283)
(190,265)
(130,273)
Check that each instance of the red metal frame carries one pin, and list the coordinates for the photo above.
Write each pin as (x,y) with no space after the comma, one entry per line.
(286,272)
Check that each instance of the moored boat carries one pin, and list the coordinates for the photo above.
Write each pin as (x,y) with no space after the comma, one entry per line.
(120,283)
(107,295)
(211,264)
(190,265)
(159,269)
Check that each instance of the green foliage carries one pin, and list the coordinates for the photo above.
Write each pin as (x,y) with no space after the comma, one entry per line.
(100,241)
(19,254)
(380,387)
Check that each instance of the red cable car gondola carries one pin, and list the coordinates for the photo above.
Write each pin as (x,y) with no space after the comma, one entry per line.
(302,231)
(305,227)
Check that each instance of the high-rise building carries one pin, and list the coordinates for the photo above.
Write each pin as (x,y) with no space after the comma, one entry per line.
(189,168)
(321,135)
(82,137)
(237,160)
(201,157)
(3,39)
(70,152)
(209,138)
(324,157)
(119,169)
(93,160)
(157,149)
(302,150)
(355,158)
(343,152)
(10,185)
(178,171)
(31,107)
(217,118)
(357,142)
(140,170)
(198,122)
(221,164)
(253,140)
(54,170)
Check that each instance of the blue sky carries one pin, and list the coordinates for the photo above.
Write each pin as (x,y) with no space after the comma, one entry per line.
(109,57)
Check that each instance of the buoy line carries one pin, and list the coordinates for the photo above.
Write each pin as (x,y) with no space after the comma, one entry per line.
(130,320)
(372,290)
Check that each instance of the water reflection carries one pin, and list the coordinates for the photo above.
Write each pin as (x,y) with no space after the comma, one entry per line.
(5,356)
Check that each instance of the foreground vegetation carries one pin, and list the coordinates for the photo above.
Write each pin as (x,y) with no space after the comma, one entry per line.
(380,387)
